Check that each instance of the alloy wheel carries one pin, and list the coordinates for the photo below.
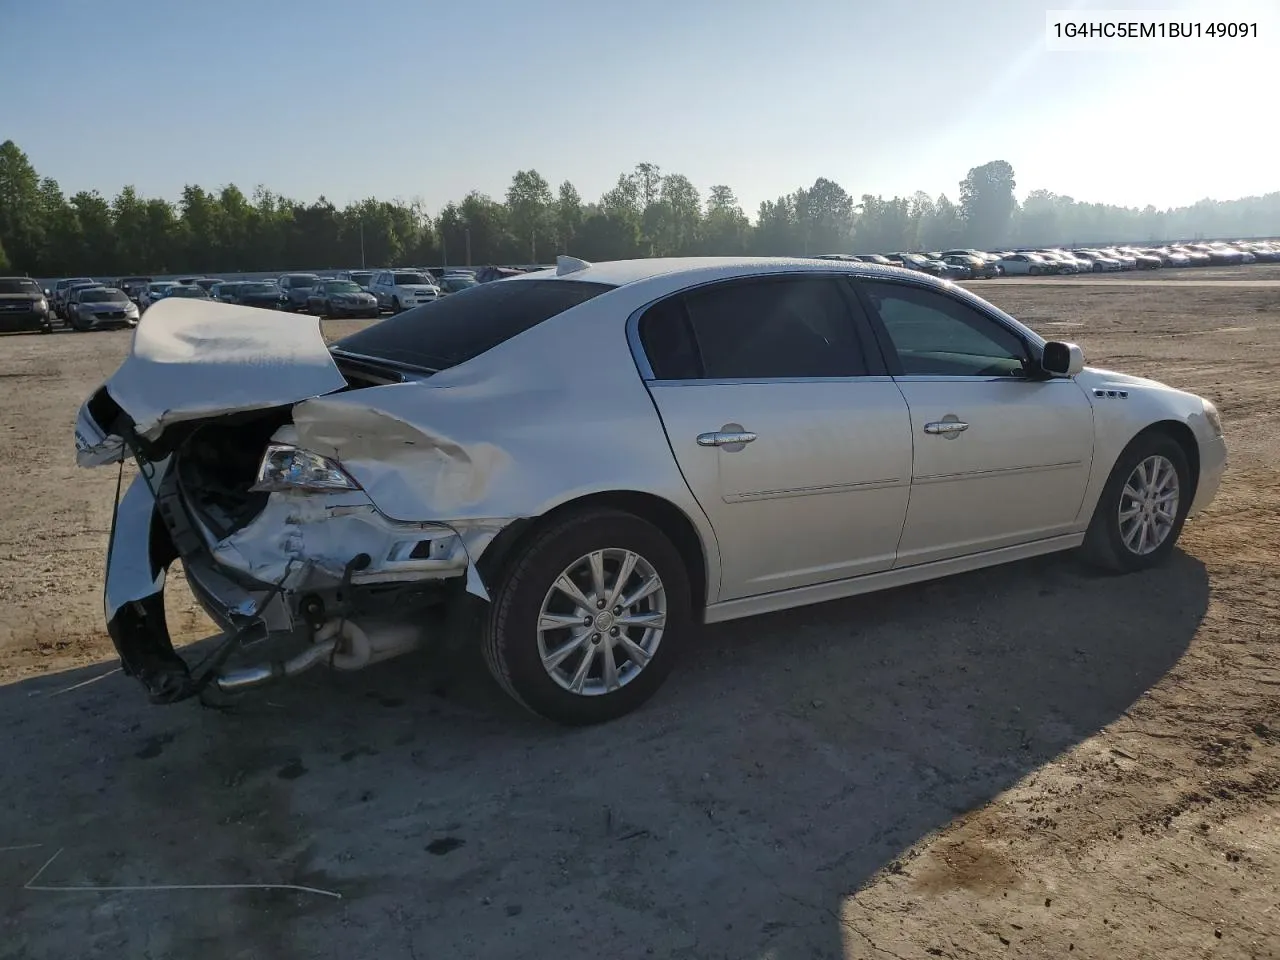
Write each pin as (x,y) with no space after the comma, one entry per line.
(602,621)
(1148,505)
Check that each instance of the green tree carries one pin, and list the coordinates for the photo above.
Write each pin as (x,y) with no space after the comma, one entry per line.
(568,215)
(674,220)
(21,225)
(726,229)
(987,203)
(825,217)
(63,243)
(608,235)
(530,213)
(98,252)
(486,222)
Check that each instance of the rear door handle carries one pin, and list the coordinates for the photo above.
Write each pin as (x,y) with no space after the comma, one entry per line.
(722,438)
(946,428)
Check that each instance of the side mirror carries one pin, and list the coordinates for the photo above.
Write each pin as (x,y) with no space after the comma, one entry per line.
(1062,359)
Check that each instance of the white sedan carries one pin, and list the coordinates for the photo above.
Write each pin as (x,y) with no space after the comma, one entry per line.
(580,466)
(1023,264)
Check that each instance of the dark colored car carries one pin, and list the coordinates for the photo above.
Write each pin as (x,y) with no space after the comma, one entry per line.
(224,291)
(100,307)
(256,293)
(295,288)
(60,291)
(977,268)
(188,291)
(133,287)
(23,306)
(456,282)
(489,274)
(342,298)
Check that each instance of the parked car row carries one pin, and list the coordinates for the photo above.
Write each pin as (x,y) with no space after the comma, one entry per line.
(87,304)
(970,264)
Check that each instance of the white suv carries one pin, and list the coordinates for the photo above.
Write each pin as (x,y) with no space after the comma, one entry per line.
(398,290)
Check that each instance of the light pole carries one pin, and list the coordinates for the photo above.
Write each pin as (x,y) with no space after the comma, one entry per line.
(467,234)
(362,241)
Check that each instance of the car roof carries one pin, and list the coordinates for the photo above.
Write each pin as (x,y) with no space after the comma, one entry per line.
(691,270)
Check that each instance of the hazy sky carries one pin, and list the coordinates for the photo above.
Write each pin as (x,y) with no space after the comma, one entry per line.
(421,99)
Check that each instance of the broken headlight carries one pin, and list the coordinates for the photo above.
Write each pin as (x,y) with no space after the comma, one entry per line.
(1215,419)
(287,468)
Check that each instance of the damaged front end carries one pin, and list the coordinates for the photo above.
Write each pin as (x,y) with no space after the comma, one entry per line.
(277,544)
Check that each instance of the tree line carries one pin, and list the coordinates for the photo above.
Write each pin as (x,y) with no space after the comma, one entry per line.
(648,212)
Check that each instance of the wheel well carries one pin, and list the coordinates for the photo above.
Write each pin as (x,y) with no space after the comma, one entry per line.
(663,514)
(1181,434)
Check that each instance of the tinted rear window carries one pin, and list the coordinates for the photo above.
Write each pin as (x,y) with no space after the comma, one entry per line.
(456,329)
(19,286)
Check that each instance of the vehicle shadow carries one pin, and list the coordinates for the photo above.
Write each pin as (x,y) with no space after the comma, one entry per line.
(788,760)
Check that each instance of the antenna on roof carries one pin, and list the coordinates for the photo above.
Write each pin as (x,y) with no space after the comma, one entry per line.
(567,265)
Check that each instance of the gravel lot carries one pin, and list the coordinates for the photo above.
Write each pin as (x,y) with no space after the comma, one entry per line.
(1028,761)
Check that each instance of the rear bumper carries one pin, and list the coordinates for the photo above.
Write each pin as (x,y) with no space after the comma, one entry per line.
(322,591)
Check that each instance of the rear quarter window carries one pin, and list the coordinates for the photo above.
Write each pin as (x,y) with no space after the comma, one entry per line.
(453,330)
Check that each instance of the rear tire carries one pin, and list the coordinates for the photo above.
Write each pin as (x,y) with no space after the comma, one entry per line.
(1153,464)
(531,619)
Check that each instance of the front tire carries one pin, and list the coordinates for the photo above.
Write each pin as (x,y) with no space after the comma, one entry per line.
(589,617)
(1142,508)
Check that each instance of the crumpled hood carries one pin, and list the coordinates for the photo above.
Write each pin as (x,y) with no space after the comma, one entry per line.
(193,359)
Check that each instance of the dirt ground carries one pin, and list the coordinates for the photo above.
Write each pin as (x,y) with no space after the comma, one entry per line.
(1028,761)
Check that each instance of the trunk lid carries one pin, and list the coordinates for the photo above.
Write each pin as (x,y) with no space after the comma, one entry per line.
(191,360)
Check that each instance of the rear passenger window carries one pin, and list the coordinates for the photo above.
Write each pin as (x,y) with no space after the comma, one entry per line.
(774,328)
(668,341)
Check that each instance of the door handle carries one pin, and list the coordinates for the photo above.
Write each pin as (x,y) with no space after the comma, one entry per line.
(946,428)
(722,438)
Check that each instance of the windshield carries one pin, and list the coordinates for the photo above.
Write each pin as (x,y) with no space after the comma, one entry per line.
(103,296)
(20,286)
(185,290)
(362,278)
(300,280)
(256,288)
(457,283)
(160,287)
(342,286)
(401,279)
(453,331)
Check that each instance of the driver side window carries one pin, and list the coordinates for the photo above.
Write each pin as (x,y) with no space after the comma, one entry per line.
(937,335)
